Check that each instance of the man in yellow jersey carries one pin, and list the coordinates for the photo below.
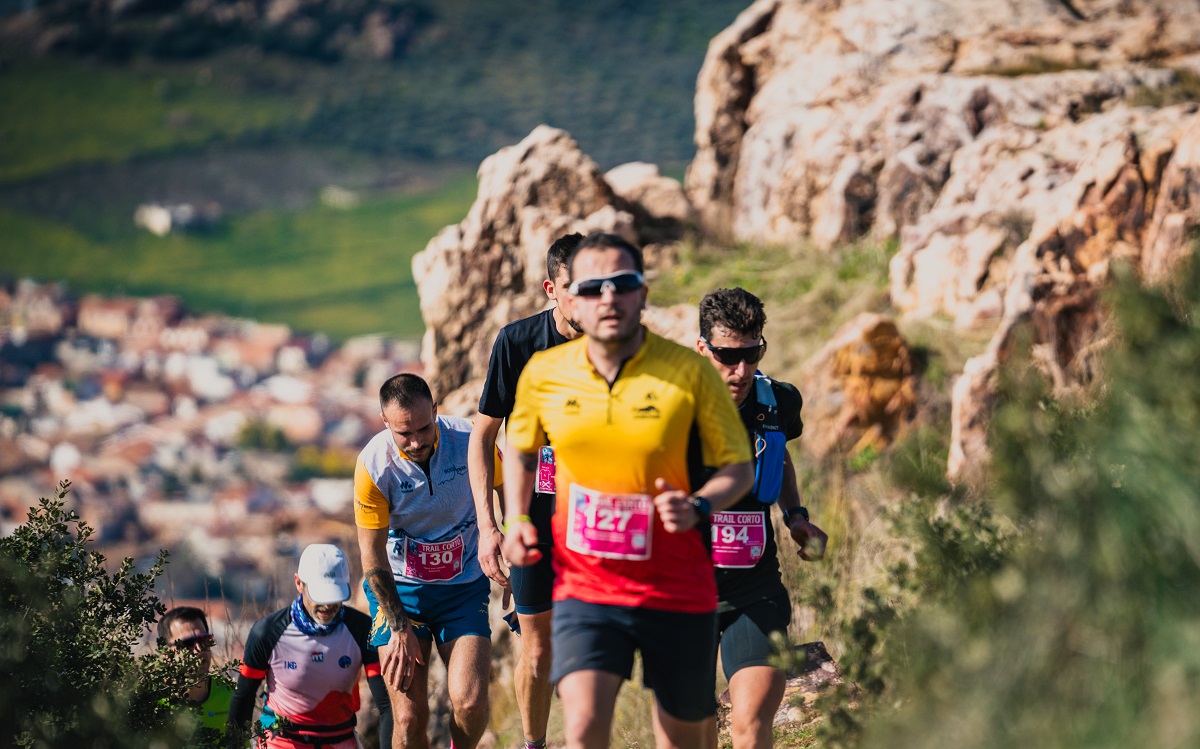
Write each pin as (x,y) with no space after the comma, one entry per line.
(634,420)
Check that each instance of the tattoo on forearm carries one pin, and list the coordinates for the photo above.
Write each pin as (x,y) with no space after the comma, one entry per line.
(528,461)
(384,587)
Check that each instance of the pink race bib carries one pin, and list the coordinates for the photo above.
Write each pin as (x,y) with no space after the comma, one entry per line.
(738,539)
(545,471)
(613,526)
(433,562)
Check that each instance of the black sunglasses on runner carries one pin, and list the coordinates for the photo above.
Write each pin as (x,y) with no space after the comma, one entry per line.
(201,642)
(618,283)
(730,356)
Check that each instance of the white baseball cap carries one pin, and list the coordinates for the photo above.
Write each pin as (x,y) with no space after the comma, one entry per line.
(325,573)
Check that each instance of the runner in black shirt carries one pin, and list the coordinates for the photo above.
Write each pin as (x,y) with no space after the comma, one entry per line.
(531,586)
(752,601)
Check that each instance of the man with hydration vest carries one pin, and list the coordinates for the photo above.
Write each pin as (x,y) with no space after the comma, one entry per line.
(752,601)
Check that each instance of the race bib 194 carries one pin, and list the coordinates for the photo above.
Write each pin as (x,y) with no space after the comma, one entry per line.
(738,539)
(613,526)
(545,470)
(432,562)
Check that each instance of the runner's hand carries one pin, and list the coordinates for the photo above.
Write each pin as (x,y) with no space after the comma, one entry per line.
(809,538)
(520,544)
(489,556)
(673,507)
(400,658)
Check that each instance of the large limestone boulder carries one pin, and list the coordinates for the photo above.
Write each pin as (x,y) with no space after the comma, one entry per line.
(859,389)
(665,207)
(1177,209)
(1013,150)
(1100,176)
(829,119)
(478,275)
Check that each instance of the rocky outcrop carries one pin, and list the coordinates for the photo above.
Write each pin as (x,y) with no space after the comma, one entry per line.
(477,276)
(1177,209)
(859,389)
(661,199)
(1014,151)
(831,119)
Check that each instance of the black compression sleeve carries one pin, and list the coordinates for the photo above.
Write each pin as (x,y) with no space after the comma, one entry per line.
(241,710)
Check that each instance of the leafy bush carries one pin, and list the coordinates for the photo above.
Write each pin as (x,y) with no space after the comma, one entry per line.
(67,633)
(1056,606)
(259,435)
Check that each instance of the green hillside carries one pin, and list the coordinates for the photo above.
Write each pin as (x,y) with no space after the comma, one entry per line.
(131,108)
(341,272)
(473,75)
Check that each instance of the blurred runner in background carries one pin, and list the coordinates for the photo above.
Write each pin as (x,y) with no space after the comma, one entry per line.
(532,586)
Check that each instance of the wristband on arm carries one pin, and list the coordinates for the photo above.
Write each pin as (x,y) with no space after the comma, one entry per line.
(517,519)
(789,513)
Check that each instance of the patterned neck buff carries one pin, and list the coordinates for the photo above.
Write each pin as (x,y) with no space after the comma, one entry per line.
(305,623)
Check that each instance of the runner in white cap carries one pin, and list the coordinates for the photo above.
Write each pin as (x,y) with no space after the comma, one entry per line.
(310,654)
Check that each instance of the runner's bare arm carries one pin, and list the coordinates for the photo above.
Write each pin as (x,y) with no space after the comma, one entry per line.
(520,542)
(482,468)
(729,484)
(807,536)
(399,657)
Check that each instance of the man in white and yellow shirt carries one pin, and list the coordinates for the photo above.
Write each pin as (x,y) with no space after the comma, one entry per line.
(418,537)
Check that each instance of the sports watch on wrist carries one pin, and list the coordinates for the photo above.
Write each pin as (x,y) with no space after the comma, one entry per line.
(701,505)
(792,511)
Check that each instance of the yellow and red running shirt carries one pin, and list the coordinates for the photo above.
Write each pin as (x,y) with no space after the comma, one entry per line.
(666,416)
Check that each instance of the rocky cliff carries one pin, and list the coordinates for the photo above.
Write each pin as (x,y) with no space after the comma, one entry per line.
(478,275)
(1012,150)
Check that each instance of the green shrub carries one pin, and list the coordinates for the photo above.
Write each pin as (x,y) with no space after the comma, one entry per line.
(1056,606)
(67,633)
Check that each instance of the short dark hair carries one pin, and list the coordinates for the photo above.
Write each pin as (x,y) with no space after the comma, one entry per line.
(605,241)
(405,390)
(559,253)
(736,310)
(179,614)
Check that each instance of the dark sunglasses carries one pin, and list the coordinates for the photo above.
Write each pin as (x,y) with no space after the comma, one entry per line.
(730,356)
(198,643)
(618,283)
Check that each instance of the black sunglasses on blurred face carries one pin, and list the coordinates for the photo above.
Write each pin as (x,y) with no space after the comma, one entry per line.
(196,643)
(730,356)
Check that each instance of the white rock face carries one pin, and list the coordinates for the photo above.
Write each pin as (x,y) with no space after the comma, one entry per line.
(1007,147)
(830,119)
(479,275)
(662,197)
